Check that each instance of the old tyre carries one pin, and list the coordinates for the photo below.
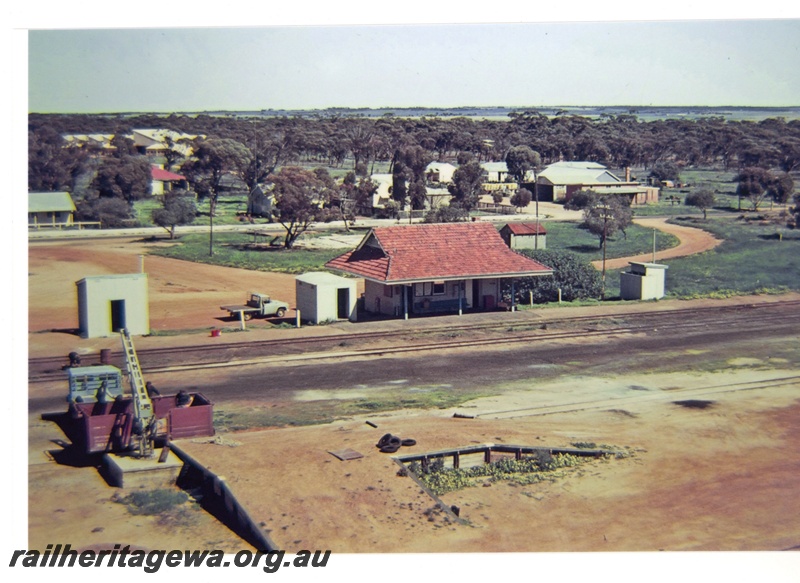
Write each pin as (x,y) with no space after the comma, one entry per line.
(248,315)
(280,313)
(408,442)
(394,440)
(390,448)
(384,440)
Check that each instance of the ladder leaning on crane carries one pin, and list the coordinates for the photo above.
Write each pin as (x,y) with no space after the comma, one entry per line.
(144,421)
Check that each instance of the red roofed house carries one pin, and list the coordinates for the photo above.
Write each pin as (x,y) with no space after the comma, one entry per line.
(428,268)
(164,181)
(524,236)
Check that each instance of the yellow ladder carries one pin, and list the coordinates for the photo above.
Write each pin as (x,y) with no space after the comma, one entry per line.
(143,406)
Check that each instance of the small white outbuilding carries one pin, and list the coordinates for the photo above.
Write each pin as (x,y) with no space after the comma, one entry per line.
(324,297)
(108,303)
(644,281)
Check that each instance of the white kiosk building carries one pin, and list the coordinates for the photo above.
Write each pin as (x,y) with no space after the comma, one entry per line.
(644,281)
(108,303)
(324,297)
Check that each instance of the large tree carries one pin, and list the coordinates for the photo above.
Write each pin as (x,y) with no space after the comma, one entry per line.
(703,199)
(211,161)
(128,178)
(753,184)
(355,195)
(300,199)
(179,209)
(53,166)
(781,187)
(520,161)
(408,176)
(109,212)
(521,198)
(607,214)
(665,170)
(467,185)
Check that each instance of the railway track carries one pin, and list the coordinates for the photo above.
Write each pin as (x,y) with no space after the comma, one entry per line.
(441,337)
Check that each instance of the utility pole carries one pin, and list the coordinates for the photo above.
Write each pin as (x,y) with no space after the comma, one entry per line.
(654,245)
(210,229)
(605,209)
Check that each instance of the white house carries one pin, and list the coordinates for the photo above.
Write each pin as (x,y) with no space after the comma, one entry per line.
(441,172)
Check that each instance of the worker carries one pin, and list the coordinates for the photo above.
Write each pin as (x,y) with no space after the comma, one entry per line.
(74,359)
(183,399)
(151,390)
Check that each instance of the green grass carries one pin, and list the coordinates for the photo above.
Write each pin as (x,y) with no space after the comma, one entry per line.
(750,260)
(571,237)
(235,250)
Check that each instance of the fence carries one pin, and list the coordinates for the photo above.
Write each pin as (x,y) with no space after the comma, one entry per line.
(55,225)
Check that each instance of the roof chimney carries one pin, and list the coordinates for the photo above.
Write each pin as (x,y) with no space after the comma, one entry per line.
(627,173)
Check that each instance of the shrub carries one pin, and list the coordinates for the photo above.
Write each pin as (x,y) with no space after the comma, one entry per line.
(578,280)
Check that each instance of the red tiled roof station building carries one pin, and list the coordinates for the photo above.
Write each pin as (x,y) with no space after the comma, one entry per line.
(429,268)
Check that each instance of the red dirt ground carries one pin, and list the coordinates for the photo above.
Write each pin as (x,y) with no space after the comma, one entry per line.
(725,478)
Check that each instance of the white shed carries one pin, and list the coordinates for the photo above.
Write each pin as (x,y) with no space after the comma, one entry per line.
(107,303)
(644,281)
(322,297)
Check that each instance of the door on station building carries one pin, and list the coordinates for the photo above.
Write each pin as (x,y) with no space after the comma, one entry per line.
(343,303)
(117,315)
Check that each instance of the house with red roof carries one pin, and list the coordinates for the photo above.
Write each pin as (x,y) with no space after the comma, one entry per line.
(434,268)
(163,181)
(524,235)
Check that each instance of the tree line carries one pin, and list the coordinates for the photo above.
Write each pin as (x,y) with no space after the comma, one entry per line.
(255,148)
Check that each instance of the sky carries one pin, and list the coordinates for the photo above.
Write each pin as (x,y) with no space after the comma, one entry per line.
(749,61)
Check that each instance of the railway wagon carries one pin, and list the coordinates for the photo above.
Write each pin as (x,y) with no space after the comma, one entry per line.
(108,427)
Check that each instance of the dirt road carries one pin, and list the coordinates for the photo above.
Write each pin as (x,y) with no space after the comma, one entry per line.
(691,241)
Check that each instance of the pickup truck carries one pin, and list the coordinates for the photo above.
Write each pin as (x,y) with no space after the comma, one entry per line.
(259,305)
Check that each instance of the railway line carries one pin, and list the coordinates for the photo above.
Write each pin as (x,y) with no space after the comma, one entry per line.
(434,336)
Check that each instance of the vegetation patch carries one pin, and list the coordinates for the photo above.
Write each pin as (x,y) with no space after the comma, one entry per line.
(236,250)
(172,507)
(572,237)
(539,467)
(746,262)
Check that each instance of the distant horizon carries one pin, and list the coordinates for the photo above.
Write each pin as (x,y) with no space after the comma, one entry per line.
(425,108)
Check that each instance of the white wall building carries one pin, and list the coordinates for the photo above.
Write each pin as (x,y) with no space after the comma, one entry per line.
(108,303)
(644,281)
(324,297)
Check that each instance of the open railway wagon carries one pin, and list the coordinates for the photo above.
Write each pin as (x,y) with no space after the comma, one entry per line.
(108,427)
(108,420)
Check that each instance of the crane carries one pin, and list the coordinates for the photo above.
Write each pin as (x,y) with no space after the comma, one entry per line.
(144,420)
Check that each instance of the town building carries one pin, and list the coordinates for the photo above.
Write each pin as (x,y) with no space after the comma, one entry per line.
(434,268)
(560,181)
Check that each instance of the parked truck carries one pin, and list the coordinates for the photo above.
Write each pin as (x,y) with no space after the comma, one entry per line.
(258,305)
